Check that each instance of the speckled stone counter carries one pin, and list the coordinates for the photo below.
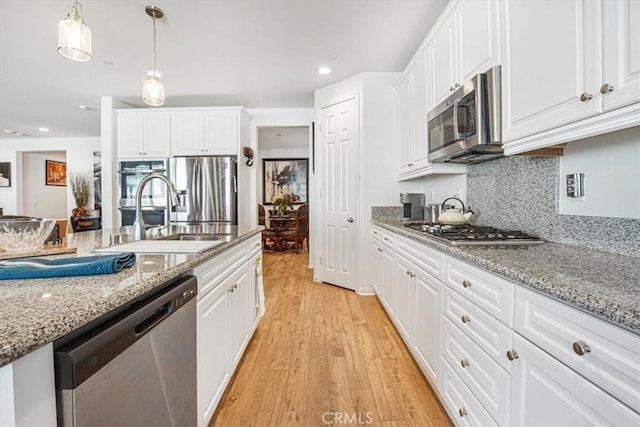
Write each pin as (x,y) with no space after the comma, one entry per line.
(603,284)
(39,311)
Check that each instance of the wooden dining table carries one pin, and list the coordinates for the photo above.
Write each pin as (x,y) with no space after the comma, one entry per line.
(280,224)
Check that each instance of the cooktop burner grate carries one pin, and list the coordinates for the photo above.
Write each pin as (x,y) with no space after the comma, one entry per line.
(468,235)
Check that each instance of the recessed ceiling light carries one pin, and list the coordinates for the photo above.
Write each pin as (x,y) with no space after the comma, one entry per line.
(8,131)
(43,129)
(83,107)
(324,70)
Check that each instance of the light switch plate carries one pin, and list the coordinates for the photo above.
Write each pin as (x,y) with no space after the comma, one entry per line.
(575,185)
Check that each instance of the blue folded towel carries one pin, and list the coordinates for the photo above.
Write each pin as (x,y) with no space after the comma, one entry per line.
(36,268)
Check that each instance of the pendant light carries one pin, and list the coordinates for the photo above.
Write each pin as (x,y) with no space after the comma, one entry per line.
(153,86)
(74,37)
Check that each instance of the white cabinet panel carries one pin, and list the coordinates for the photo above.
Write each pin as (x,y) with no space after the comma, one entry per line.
(442,51)
(239,287)
(405,299)
(481,374)
(143,135)
(406,120)
(613,357)
(478,30)
(428,324)
(221,133)
(214,366)
(547,67)
(462,405)
(621,52)
(389,281)
(187,133)
(547,393)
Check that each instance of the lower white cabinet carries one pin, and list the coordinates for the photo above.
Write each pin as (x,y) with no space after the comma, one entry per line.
(497,353)
(227,314)
(547,393)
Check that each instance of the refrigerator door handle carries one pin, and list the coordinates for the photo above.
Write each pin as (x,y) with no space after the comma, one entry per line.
(235,184)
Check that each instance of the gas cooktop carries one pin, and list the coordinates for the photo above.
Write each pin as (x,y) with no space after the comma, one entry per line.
(472,235)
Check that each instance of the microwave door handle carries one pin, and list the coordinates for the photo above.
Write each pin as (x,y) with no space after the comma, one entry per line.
(457,136)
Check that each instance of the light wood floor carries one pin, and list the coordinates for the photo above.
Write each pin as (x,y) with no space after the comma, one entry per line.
(323,355)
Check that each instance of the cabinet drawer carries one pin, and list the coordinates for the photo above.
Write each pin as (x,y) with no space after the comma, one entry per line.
(424,257)
(254,246)
(215,270)
(489,334)
(491,293)
(613,359)
(481,374)
(464,408)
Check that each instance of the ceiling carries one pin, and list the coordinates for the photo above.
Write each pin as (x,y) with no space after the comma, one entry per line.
(259,53)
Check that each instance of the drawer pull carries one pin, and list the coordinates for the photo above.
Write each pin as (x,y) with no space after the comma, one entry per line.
(462,411)
(512,355)
(379,250)
(465,318)
(466,283)
(581,347)
(464,363)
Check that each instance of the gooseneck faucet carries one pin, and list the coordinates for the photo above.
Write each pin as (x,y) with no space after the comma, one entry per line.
(139,227)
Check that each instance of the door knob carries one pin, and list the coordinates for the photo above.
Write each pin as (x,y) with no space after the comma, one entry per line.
(350,219)
(585,96)
(581,347)
(512,355)
(606,88)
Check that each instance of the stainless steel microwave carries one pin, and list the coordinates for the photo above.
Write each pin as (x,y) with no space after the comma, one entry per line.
(466,127)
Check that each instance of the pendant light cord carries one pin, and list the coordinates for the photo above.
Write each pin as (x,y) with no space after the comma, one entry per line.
(154,47)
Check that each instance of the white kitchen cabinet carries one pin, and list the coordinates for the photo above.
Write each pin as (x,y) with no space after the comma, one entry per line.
(143,135)
(466,42)
(377,266)
(405,286)
(385,266)
(574,77)
(603,353)
(428,324)
(547,393)
(213,363)
(406,118)
(205,133)
(226,319)
(620,53)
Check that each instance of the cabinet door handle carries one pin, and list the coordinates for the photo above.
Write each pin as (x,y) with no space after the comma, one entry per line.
(464,363)
(585,96)
(456,86)
(512,355)
(462,411)
(606,88)
(581,348)
(409,164)
(379,250)
(465,318)
(466,283)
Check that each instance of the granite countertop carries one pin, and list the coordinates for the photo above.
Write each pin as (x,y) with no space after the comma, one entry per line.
(38,311)
(603,284)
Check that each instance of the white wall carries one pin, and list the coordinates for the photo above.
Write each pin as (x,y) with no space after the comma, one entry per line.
(611,167)
(79,158)
(39,199)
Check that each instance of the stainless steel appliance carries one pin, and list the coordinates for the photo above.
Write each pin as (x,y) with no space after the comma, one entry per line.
(412,206)
(466,127)
(134,366)
(433,210)
(155,208)
(473,235)
(208,188)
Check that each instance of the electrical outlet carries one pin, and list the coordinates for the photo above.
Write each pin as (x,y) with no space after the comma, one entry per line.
(575,185)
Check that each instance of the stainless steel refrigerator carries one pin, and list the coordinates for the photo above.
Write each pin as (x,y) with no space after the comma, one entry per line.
(208,188)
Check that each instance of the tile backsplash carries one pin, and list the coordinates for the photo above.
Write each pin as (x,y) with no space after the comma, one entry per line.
(522,193)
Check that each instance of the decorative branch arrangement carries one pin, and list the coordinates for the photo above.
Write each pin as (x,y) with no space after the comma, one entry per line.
(81,183)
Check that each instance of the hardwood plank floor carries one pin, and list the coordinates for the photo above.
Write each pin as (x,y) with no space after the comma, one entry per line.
(323,355)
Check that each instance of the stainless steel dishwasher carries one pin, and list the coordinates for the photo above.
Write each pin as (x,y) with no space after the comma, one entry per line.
(133,367)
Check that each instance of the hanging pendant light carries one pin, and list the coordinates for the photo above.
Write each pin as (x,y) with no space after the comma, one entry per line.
(74,37)
(153,86)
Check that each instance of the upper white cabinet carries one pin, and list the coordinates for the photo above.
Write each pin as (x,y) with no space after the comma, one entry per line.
(466,43)
(143,134)
(569,78)
(209,133)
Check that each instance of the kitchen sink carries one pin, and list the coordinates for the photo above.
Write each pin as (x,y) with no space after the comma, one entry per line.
(187,236)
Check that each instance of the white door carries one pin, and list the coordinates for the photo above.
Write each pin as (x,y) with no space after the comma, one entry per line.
(338,140)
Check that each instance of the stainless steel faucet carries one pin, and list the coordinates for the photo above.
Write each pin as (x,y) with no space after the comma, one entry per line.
(139,227)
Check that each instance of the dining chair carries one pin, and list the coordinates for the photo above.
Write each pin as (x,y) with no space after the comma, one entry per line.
(298,229)
(269,240)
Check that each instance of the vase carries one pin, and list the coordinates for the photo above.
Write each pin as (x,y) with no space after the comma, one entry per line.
(80,212)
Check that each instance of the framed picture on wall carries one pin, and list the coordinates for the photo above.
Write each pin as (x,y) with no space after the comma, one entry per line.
(5,174)
(55,173)
(286,176)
